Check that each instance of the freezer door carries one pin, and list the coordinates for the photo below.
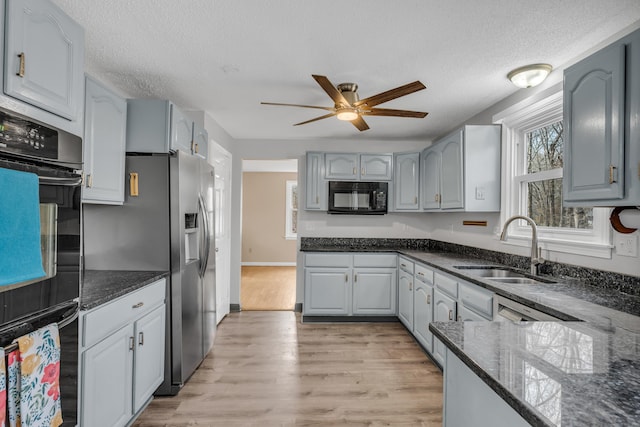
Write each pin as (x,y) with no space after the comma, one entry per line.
(207,193)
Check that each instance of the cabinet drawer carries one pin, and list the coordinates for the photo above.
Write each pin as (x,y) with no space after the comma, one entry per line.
(446,284)
(327,260)
(476,298)
(405,265)
(375,260)
(101,321)
(424,274)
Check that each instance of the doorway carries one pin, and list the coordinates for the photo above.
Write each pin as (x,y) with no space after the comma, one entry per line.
(269,234)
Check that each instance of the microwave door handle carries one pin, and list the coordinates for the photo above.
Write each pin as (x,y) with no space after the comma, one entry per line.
(354,200)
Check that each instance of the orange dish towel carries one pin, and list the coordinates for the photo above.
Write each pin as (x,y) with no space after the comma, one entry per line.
(39,383)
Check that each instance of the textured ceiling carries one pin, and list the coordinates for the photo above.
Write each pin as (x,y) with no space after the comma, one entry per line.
(224,57)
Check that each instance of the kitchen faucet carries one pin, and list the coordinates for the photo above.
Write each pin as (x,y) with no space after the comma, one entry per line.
(536,258)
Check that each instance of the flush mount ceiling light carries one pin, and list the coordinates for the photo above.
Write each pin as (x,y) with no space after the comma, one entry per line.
(347,114)
(530,75)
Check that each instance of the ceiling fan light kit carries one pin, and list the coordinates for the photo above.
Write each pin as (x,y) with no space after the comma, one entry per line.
(349,107)
(529,75)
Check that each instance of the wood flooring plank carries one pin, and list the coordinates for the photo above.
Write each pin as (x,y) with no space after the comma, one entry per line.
(268,369)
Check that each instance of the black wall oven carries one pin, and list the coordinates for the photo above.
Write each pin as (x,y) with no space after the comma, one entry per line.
(355,197)
(56,158)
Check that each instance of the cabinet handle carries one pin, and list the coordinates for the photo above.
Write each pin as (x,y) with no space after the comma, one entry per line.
(133,184)
(403,265)
(428,299)
(363,171)
(317,199)
(20,72)
(355,278)
(420,273)
(131,343)
(138,305)
(346,277)
(410,286)
(89,180)
(355,170)
(141,338)
(459,318)
(415,200)
(612,170)
(450,314)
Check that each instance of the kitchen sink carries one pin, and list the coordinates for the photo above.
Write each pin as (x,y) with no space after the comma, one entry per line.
(501,274)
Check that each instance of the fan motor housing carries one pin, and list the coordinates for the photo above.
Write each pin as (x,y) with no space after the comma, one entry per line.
(349,91)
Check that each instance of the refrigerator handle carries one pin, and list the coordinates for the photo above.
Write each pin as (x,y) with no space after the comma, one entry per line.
(207,238)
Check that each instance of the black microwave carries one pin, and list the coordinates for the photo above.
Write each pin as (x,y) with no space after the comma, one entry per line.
(361,198)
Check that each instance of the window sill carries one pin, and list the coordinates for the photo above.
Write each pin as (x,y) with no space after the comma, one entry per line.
(595,250)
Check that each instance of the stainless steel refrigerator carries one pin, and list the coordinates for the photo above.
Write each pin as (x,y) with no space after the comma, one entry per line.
(168,225)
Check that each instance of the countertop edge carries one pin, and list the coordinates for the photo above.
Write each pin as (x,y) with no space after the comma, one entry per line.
(100,287)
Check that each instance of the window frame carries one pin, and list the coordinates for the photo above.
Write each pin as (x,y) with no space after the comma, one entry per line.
(516,123)
(288,232)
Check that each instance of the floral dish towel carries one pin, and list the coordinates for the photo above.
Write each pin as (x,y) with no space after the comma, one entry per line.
(13,388)
(40,378)
(3,390)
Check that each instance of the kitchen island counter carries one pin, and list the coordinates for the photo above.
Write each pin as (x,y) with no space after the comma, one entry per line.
(552,373)
(102,286)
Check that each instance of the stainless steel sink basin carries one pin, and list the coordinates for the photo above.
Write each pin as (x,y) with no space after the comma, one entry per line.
(501,274)
(489,271)
(520,280)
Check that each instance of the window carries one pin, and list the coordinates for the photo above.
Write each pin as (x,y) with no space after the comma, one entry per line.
(291,222)
(533,148)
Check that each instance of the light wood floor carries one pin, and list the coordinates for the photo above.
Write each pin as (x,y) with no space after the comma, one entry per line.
(268,288)
(268,369)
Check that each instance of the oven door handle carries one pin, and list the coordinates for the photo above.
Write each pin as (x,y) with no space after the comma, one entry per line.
(67,182)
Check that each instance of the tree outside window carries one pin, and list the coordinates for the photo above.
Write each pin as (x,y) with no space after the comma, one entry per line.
(291,222)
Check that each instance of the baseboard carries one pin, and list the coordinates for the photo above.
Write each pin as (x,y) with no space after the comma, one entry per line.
(234,308)
(268,264)
(333,319)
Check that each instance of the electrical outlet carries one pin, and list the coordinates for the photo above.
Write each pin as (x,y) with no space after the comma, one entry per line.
(626,244)
(479,193)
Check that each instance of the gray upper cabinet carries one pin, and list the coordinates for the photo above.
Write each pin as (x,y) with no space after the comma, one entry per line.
(316,185)
(157,126)
(461,171)
(601,110)
(44,57)
(353,166)
(200,142)
(406,182)
(105,130)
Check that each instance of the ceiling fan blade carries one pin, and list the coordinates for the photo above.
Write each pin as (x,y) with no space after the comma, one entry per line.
(331,90)
(393,113)
(326,116)
(360,124)
(390,94)
(299,105)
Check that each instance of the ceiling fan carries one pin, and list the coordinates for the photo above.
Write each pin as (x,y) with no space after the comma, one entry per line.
(349,107)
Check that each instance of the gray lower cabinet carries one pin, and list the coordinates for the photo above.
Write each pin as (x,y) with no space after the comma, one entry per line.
(121,356)
(601,104)
(344,284)
(405,292)
(444,310)
(467,399)
(423,306)
(105,129)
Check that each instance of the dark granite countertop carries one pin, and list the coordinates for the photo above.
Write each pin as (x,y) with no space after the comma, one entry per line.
(553,373)
(102,286)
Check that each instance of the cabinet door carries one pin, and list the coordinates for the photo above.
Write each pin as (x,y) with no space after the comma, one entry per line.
(406,181)
(430,175)
(374,291)
(106,398)
(594,122)
(452,196)
(376,167)
(341,166)
(327,291)
(200,142)
(405,298)
(444,310)
(105,128)
(181,131)
(423,314)
(44,57)
(315,185)
(149,356)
